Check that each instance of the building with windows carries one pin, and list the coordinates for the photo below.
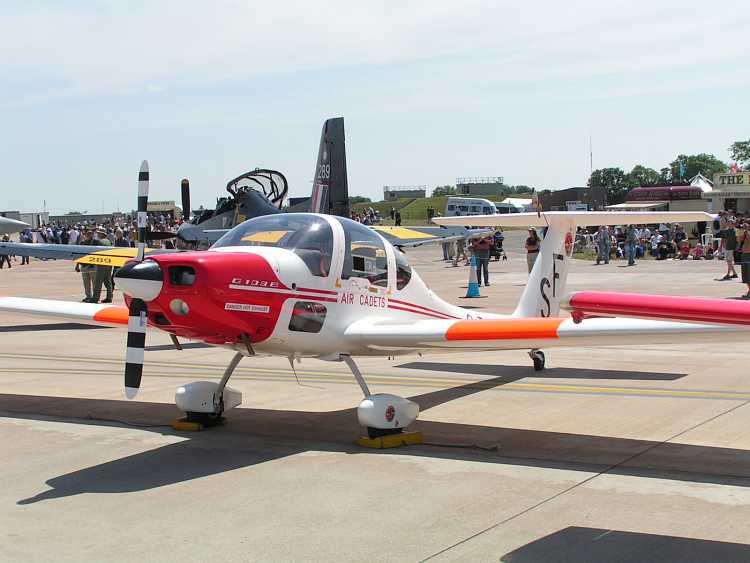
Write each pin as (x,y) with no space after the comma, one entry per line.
(391,193)
(580,198)
(668,197)
(685,197)
(480,186)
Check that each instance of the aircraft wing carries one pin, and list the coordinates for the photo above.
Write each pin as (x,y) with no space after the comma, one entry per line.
(91,313)
(515,333)
(82,254)
(730,311)
(417,236)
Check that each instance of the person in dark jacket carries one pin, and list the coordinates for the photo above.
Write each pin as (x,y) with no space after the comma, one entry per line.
(481,248)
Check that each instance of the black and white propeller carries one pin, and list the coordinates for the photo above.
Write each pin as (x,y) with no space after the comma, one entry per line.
(142,281)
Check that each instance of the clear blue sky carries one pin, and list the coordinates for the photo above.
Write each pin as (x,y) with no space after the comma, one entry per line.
(429,90)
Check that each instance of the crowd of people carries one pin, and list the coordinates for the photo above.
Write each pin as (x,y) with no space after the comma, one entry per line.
(371,216)
(110,232)
(62,232)
(730,242)
(670,241)
(368,216)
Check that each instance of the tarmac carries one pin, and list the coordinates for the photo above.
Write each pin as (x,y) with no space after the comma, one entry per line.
(610,454)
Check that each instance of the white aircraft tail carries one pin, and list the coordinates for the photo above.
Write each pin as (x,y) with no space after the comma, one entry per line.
(546,285)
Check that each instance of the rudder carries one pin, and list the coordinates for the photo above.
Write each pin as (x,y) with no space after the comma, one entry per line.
(546,285)
(330,189)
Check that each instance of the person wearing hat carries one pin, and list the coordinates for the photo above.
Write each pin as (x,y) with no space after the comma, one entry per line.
(533,242)
(88,271)
(102,274)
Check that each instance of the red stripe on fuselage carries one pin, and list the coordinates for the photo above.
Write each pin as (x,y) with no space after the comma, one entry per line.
(446,315)
(417,312)
(311,290)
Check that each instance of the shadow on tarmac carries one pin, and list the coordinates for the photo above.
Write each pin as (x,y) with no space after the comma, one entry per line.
(548,373)
(254,436)
(575,544)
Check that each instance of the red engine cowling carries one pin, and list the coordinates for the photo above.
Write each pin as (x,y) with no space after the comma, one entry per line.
(217,296)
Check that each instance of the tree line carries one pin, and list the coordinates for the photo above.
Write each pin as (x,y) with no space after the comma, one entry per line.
(679,172)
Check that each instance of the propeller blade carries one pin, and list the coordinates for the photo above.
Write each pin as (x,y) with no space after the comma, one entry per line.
(137,321)
(137,312)
(142,216)
(185,186)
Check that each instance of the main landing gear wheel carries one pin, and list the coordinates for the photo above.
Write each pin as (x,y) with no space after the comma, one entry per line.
(384,415)
(537,357)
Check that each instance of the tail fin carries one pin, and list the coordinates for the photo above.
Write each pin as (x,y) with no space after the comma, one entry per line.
(546,285)
(331,190)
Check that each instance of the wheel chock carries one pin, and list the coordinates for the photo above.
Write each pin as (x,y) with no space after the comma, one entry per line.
(391,440)
(186,425)
(195,422)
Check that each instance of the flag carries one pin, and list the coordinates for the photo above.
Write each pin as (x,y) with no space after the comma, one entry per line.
(734,168)
(682,169)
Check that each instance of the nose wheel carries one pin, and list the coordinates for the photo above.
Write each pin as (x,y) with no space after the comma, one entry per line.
(537,356)
(204,402)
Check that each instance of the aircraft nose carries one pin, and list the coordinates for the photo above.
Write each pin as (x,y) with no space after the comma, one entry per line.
(141,280)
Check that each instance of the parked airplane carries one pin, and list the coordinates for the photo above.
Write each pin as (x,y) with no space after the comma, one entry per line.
(319,286)
(252,194)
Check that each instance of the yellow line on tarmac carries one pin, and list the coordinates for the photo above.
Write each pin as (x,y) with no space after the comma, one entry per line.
(630,391)
(279,375)
(220,368)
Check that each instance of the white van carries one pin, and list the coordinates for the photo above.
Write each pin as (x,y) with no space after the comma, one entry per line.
(470,206)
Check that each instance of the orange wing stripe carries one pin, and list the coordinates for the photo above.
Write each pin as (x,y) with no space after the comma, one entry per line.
(504,329)
(112,315)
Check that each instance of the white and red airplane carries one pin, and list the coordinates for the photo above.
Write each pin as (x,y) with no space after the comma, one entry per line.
(317,286)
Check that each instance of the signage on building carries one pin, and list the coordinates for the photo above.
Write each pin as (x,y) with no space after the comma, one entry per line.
(731,180)
(725,194)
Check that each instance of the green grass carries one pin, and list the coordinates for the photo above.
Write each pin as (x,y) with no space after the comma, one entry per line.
(417,209)
(384,207)
(414,211)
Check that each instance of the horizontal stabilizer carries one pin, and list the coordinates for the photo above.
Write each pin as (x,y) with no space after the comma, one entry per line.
(576,218)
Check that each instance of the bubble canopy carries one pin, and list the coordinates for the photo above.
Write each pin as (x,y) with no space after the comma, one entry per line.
(310,236)
(307,235)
